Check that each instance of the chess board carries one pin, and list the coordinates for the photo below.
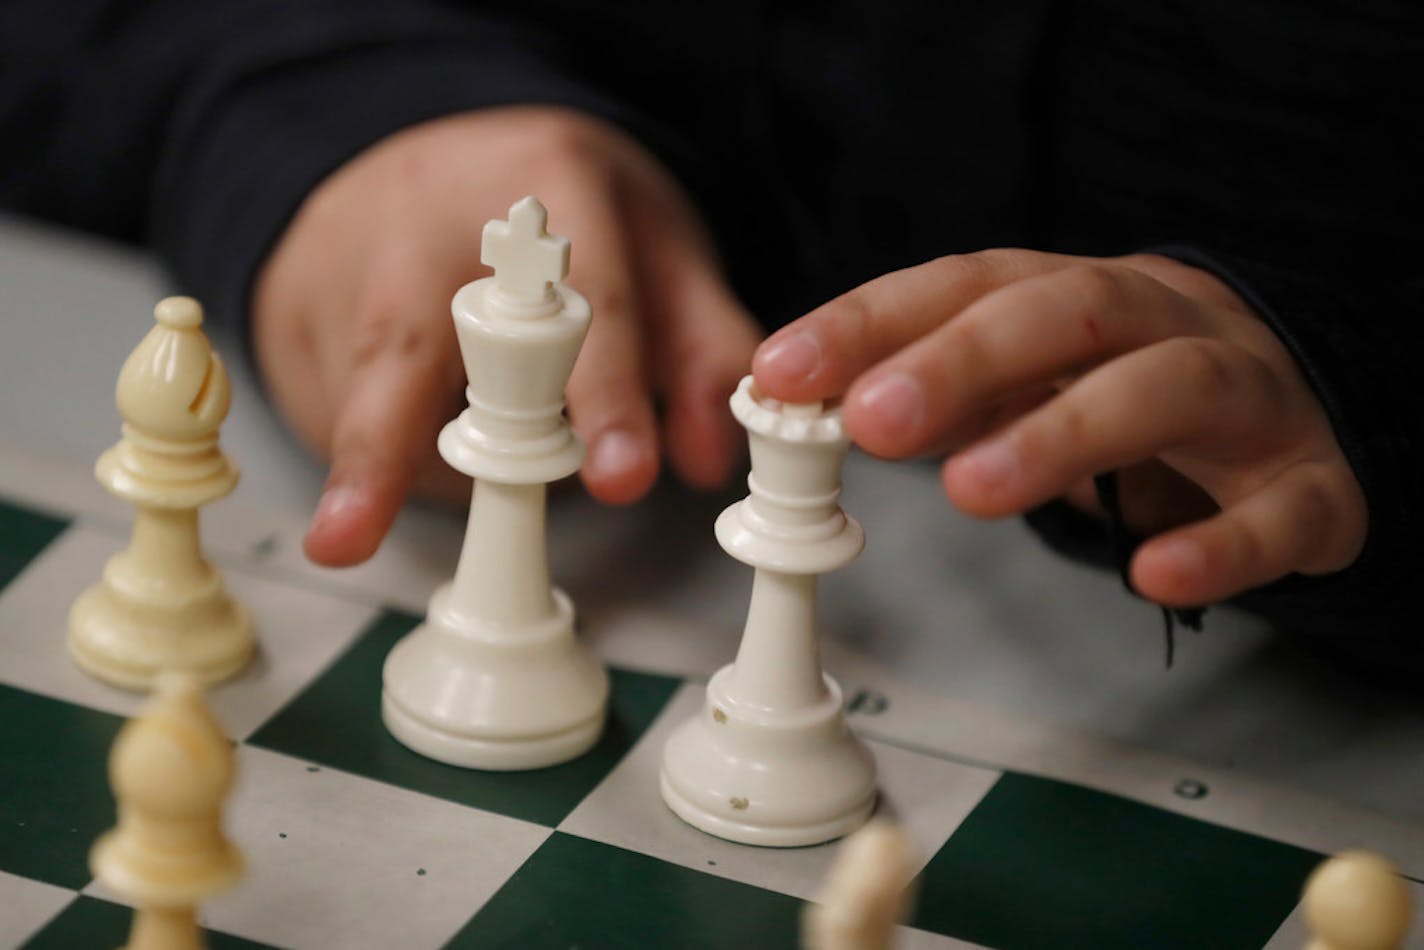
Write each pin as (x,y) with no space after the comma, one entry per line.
(1029,834)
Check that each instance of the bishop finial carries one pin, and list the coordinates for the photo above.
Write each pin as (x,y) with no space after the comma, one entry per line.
(179,313)
(173,386)
(526,258)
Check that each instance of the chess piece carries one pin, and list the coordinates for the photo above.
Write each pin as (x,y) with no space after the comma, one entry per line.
(1356,901)
(494,678)
(866,893)
(769,760)
(171,768)
(160,605)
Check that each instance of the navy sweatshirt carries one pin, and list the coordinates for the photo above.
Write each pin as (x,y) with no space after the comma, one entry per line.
(1273,143)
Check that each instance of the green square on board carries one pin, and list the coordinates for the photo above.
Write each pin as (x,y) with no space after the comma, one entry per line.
(23,535)
(336,721)
(90,922)
(54,790)
(574,892)
(1041,863)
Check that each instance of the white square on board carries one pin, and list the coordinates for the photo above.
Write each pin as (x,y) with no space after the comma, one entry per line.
(928,796)
(336,860)
(908,938)
(299,633)
(26,906)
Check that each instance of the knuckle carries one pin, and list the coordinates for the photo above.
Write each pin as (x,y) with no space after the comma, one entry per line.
(1065,427)
(1248,546)
(557,134)
(1315,503)
(1331,506)
(1071,423)
(1204,366)
(852,320)
(386,330)
(970,346)
(611,300)
(563,144)
(976,270)
(1095,289)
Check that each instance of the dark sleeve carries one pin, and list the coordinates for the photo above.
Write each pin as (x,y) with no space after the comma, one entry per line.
(199,127)
(1357,344)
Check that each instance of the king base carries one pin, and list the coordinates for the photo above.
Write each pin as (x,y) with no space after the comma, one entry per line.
(501,700)
(492,754)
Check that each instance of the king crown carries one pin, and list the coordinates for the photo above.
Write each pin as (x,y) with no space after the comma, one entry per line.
(526,258)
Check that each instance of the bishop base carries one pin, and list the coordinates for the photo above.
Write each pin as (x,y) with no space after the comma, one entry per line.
(125,640)
(492,698)
(779,779)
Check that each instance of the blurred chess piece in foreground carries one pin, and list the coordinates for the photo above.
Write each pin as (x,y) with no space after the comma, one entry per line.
(171,769)
(867,893)
(1356,901)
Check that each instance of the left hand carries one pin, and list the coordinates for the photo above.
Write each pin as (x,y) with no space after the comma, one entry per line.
(1040,370)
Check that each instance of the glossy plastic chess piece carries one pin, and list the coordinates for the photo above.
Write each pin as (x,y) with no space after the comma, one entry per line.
(769,760)
(160,605)
(171,769)
(495,678)
(1356,901)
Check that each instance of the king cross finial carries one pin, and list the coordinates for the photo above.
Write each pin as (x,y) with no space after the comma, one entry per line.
(526,258)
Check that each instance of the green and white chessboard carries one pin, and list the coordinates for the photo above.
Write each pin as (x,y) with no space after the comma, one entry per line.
(1031,835)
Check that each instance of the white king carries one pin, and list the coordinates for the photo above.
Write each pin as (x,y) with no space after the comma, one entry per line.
(494,678)
(769,760)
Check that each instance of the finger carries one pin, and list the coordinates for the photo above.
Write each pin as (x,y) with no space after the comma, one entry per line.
(990,419)
(818,356)
(436,481)
(609,397)
(1174,393)
(708,350)
(386,423)
(1292,524)
(1019,338)
(702,340)
(1152,498)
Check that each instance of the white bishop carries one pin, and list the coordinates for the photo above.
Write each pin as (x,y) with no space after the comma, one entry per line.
(160,604)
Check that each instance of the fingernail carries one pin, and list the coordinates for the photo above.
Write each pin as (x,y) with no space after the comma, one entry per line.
(993,464)
(615,451)
(334,503)
(796,354)
(897,400)
(1184,557)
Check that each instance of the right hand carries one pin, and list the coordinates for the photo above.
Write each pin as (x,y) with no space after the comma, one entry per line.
(352,328)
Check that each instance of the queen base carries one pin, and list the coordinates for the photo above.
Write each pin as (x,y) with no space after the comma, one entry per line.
(127,641)
(763,778)
(493,698)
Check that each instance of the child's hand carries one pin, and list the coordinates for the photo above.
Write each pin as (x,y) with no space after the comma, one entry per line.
(1040,370)
(352,323)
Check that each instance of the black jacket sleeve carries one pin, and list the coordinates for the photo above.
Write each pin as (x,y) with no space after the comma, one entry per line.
(199,127)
